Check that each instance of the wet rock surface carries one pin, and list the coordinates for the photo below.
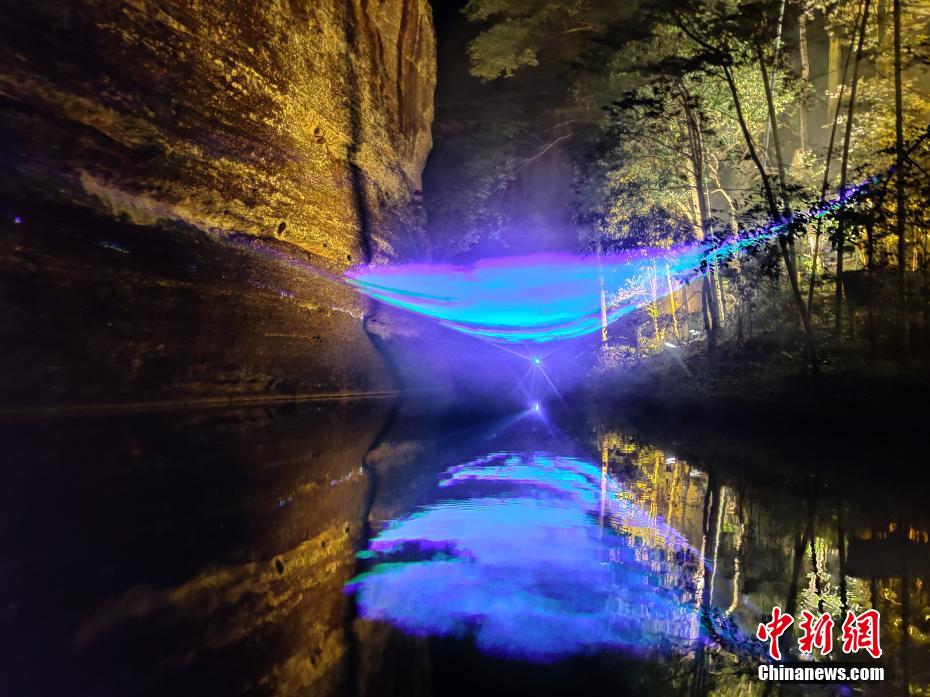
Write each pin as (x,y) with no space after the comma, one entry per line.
(184,553)
(101,312)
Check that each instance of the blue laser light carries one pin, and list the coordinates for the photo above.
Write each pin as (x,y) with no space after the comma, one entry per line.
(549,297)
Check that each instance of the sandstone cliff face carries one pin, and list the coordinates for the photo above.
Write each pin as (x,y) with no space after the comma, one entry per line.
(302,122)
(231,115)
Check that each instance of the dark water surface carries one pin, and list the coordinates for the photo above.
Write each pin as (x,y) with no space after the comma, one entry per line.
(375,548)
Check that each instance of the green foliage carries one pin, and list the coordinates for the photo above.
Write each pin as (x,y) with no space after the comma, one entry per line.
(676,140)
(502,50)
(521,29)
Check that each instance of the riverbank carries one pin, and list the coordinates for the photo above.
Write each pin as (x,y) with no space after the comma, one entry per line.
(864,413)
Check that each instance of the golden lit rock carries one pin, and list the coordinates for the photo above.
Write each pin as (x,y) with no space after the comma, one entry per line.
(214,166)
(309,121)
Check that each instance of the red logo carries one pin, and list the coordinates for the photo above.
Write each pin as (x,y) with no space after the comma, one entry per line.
(774,629)
(817,633)
(860,632)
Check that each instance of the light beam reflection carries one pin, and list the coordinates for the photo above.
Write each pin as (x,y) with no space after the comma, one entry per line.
(516,557)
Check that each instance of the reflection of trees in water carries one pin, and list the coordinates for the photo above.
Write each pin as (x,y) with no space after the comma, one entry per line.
(753,541)
(665,489)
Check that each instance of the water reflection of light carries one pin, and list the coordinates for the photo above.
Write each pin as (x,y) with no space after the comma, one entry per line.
(515,557)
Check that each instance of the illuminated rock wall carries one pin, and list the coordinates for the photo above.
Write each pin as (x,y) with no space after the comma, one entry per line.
(228,115)
(306,123)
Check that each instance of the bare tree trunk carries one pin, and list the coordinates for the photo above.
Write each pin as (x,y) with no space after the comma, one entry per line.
(881,18)
(696,143)
(600,278)
(805,82)
(718,289)
(834,55)
(770,105)
(673,311)
(900,174)
(844,170)
(654,310)
(829,160)
(773,206)
(709,327)
(803,113)
(769,124)
(780,164)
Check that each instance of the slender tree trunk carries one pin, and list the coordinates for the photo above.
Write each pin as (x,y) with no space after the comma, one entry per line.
(654,310)
(706,301)
(770,124)
(770,105)
(869,270)
(829,160)
(716,280)
(773,206)
(673,311)
(844,170)
(718,290)
(779,162)
(696,143)
(804,111)
(695,207)
(900,175)
(881,50)
(603,290)
(815,252)
(834,55)
(805,83)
